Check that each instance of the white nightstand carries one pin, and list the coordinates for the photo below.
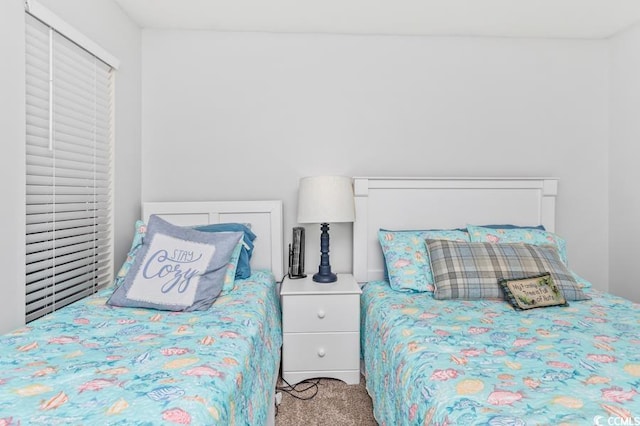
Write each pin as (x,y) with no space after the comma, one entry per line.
(321,327)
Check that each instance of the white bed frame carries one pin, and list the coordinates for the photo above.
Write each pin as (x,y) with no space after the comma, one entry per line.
(442,203)
(265,218)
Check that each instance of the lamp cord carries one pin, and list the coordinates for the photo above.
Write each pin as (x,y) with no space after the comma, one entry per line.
(292,390)
(295,390)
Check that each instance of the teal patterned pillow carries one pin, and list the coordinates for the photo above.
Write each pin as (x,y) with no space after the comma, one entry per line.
(141,229)
(524,235)
(406,259)
(582,283)
(537,237)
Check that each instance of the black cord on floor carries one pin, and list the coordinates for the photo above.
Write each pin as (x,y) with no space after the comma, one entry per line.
(306,385)
(295,389)
(292,390)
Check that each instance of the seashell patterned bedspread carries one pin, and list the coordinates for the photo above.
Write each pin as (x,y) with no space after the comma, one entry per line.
(94,364)
(436,362)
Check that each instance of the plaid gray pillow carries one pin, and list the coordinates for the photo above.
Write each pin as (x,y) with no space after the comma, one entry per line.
(463,270)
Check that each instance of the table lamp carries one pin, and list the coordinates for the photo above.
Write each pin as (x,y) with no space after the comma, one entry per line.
(324,200)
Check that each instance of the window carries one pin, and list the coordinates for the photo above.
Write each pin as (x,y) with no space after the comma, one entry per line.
(69,107)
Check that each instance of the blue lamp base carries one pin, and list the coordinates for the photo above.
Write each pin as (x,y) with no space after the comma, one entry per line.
(325,278)
(324,275)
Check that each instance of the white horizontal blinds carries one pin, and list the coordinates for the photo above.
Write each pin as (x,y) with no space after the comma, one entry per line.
(68,147)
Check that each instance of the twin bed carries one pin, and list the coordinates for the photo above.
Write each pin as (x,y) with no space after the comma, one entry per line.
(437,362)
(426,360)
(92,363)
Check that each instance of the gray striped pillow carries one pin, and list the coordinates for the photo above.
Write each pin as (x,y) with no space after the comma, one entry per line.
(463,270)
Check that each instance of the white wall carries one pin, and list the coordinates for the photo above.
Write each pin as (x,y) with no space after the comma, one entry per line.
(105,23)
(242,115)
(12,163)
(624,153)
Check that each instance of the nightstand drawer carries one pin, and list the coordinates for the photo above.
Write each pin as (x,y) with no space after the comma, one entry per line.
(321,313)
(321,351)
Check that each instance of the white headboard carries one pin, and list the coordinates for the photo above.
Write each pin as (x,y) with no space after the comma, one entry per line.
(442,203)
(265,218)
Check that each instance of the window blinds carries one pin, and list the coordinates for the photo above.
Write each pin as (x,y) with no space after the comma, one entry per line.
(69,106)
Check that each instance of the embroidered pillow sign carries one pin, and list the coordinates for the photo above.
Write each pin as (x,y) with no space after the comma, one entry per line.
(177,269)
(533,292)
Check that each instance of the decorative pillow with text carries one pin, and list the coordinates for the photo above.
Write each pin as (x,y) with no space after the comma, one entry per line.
(533,292)
(177,268)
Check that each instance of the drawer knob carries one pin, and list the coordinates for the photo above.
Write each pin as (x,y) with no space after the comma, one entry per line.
(321,352)
(321,314)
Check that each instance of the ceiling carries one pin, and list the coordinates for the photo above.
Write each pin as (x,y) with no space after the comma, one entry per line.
(591,19)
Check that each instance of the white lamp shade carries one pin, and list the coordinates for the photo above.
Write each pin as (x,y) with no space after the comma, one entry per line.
(325,199)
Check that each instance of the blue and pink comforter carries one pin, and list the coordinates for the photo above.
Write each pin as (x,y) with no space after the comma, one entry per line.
(436,362)
(94,364)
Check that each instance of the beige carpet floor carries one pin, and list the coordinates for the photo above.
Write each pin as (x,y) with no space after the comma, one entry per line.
(336,404)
